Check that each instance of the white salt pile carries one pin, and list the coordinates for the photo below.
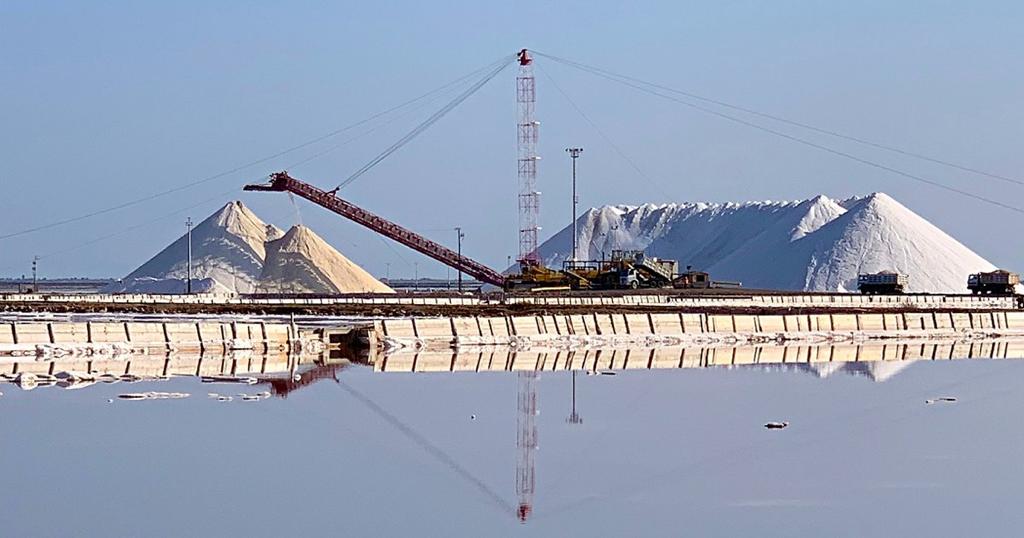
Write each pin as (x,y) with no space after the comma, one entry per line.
(815,245)
(227,256)
(302,262)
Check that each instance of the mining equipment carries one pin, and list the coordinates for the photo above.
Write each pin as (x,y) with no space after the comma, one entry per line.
(700,280)
(625,269)
(998,282)
(882,283)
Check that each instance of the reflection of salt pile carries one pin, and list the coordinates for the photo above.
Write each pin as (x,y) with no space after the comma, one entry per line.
(302,262)
(874,370)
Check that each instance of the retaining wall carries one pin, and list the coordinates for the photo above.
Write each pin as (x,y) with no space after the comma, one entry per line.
(199,337)
(447,332)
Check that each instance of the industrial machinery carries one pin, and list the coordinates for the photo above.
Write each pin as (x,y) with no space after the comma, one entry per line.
(283,182)
(626,269)
(882,283)
(700,280)
(998,282)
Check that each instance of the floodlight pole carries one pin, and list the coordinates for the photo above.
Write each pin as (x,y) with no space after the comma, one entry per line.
(458,231)
(188,227)
(574,153)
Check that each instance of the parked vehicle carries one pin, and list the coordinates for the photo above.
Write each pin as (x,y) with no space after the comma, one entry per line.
(998,282)
(882,283)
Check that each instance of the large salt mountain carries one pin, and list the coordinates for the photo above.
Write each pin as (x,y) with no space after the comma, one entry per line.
(302,262)
(816,245)
(227,256)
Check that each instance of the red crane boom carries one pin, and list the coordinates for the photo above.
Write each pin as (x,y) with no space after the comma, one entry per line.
(281,181)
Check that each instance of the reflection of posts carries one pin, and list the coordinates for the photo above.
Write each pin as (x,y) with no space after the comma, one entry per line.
(574,417)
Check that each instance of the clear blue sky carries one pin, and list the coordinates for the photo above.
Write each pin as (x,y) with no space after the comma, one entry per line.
(107,102)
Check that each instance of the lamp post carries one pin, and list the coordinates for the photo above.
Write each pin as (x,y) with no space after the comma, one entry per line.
(574,153)
(460,235)
(188,227)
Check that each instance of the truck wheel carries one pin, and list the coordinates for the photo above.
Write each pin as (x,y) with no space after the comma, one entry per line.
(634,285)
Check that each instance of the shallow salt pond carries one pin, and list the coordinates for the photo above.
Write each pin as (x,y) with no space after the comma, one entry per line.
(674,452)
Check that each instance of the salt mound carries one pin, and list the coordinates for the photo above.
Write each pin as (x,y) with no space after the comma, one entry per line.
(816,245)
(227,248)
(302,262)
(878,233)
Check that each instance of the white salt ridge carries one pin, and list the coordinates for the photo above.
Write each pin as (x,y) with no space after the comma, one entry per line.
(227,249)
(302,262)
(815,245)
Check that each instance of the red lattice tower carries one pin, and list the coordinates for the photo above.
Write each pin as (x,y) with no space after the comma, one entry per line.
(526,141)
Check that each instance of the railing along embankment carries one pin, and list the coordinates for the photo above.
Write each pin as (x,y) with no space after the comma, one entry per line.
(568,301)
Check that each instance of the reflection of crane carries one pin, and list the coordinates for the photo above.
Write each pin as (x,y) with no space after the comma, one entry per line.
(526,442)
(428,447)
(283,387)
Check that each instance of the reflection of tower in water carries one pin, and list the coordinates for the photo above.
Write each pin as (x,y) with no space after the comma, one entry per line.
(526,442)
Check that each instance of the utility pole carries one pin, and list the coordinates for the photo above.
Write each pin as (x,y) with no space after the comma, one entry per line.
(188,227)
(416,275)
(458,231)
(35,275)
(574,153)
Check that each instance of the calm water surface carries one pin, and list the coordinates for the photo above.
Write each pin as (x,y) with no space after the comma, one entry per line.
(658,453)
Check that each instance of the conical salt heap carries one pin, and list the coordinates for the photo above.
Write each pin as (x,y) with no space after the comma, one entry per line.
(227,256)
(816,245)
(302,262)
